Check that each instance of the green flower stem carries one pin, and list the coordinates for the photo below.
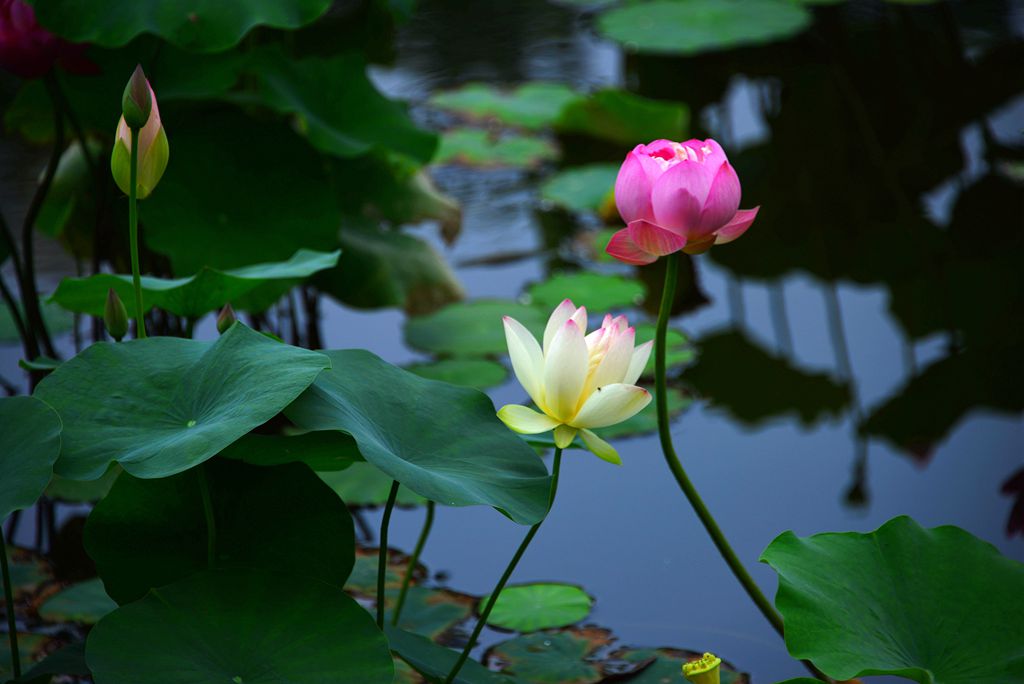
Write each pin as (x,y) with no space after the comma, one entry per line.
(382,557)
(721,543)
(211,522)
(12,625)
(493,598)
(420,543)
(133,232)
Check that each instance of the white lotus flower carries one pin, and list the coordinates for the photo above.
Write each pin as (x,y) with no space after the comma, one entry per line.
(578,381)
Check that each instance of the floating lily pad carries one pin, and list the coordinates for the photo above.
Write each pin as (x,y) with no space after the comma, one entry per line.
(196,25)
(478,373)
(248,626)
(148,533)
(436,661)
(363,580)
(471,328)
(665,666)
(476,147)
(544,605)
(531,105)
(581,188)
(597,292)
(321,451)
(938,606)
(433,612)
(695,26)
(646,422)
(622,117)
(160,405)
(250,288)
(678,350)
(86,602)
(363,484)
(441,441)
(30,444)
(83,491)
(552,657)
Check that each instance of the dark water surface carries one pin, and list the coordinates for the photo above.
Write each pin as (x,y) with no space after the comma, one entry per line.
(883,130)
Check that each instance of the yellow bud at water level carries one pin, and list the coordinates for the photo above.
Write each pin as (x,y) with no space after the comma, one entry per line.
(705,670)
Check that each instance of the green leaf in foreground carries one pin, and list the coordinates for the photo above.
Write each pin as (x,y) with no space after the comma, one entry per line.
(250,288)
(595,291)
(160,405)
(435,661)
(471,328)
(321,451)
(147,533)
(441,441)
(29,445)
(247,626)
(529,607)
(85,602)
(937,606)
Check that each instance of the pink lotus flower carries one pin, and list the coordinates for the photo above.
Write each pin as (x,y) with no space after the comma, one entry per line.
(676,196)
(30,51)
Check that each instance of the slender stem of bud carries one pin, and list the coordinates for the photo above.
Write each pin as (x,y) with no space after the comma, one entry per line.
(667,448)
(413,560)
(382,553)
(493,598)
(12,625)
(133,232)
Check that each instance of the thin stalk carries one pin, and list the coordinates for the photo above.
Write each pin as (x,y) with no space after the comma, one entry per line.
(211,522)
(493,598)
(31,345)
(133,232)
(667,448)
(428,523)
(382,553)
(12,625)
(12,306)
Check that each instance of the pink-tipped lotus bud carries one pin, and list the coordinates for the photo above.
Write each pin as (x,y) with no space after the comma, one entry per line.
(225,319)
(137,101)
(115,316)
(153,148)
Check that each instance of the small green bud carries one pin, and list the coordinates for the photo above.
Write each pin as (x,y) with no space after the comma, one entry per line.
(115,316)
(703,670)
(225,319)
(137,102)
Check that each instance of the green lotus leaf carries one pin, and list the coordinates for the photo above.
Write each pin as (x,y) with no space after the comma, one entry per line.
(624,118)
(471,328)
(597,292)
(30,443)
(529,607)
(581,188)
(321,451)
(435,661)
(531,105)
(86,602)
(480,148)
(552,657)
(364,484)
(477,373)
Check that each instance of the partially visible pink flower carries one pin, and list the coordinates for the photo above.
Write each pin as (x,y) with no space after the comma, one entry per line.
(30,51)
(676,196)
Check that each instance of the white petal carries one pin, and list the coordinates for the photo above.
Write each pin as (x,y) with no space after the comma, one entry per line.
(525,420)
(602,449)
(565,371)
(564,436)
(559,316)
(580,317)
(637,364)
(594,338)
(615,363)
(527,359)
(610,405)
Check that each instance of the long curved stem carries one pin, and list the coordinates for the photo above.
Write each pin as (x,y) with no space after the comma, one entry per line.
(12,625)
(133,235)
(428,523)
(493,598)
(672,459)
(382,554)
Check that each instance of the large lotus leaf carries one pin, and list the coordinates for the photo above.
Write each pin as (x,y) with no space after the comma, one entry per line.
(196,25)
(339,109)
(471,328)
(480,148)
(441,441)
(363,484)
(581,188)
(242,626)
(529,607)
(29,445)
(695,26)
(478,373)
(160,405)
(938,606)
(531,105)
(787,390)
(552,657)
(250,288)
(321,451)
(83,491)
(624,118)
(220,205)
(435,661)
(86,602)
(383,268)
(596,291)
(147,533)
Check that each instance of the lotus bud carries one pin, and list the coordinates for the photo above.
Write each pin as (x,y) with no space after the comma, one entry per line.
(153,148)
(115,316)
(703,670)
(137,101)
(225,319)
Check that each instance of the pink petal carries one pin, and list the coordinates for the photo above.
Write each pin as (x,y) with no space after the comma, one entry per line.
(722,203)
(633,186)
(737,226)
(679,195)
(654,239)
(625,250)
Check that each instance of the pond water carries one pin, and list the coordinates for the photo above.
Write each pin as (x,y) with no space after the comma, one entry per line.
(864,144)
